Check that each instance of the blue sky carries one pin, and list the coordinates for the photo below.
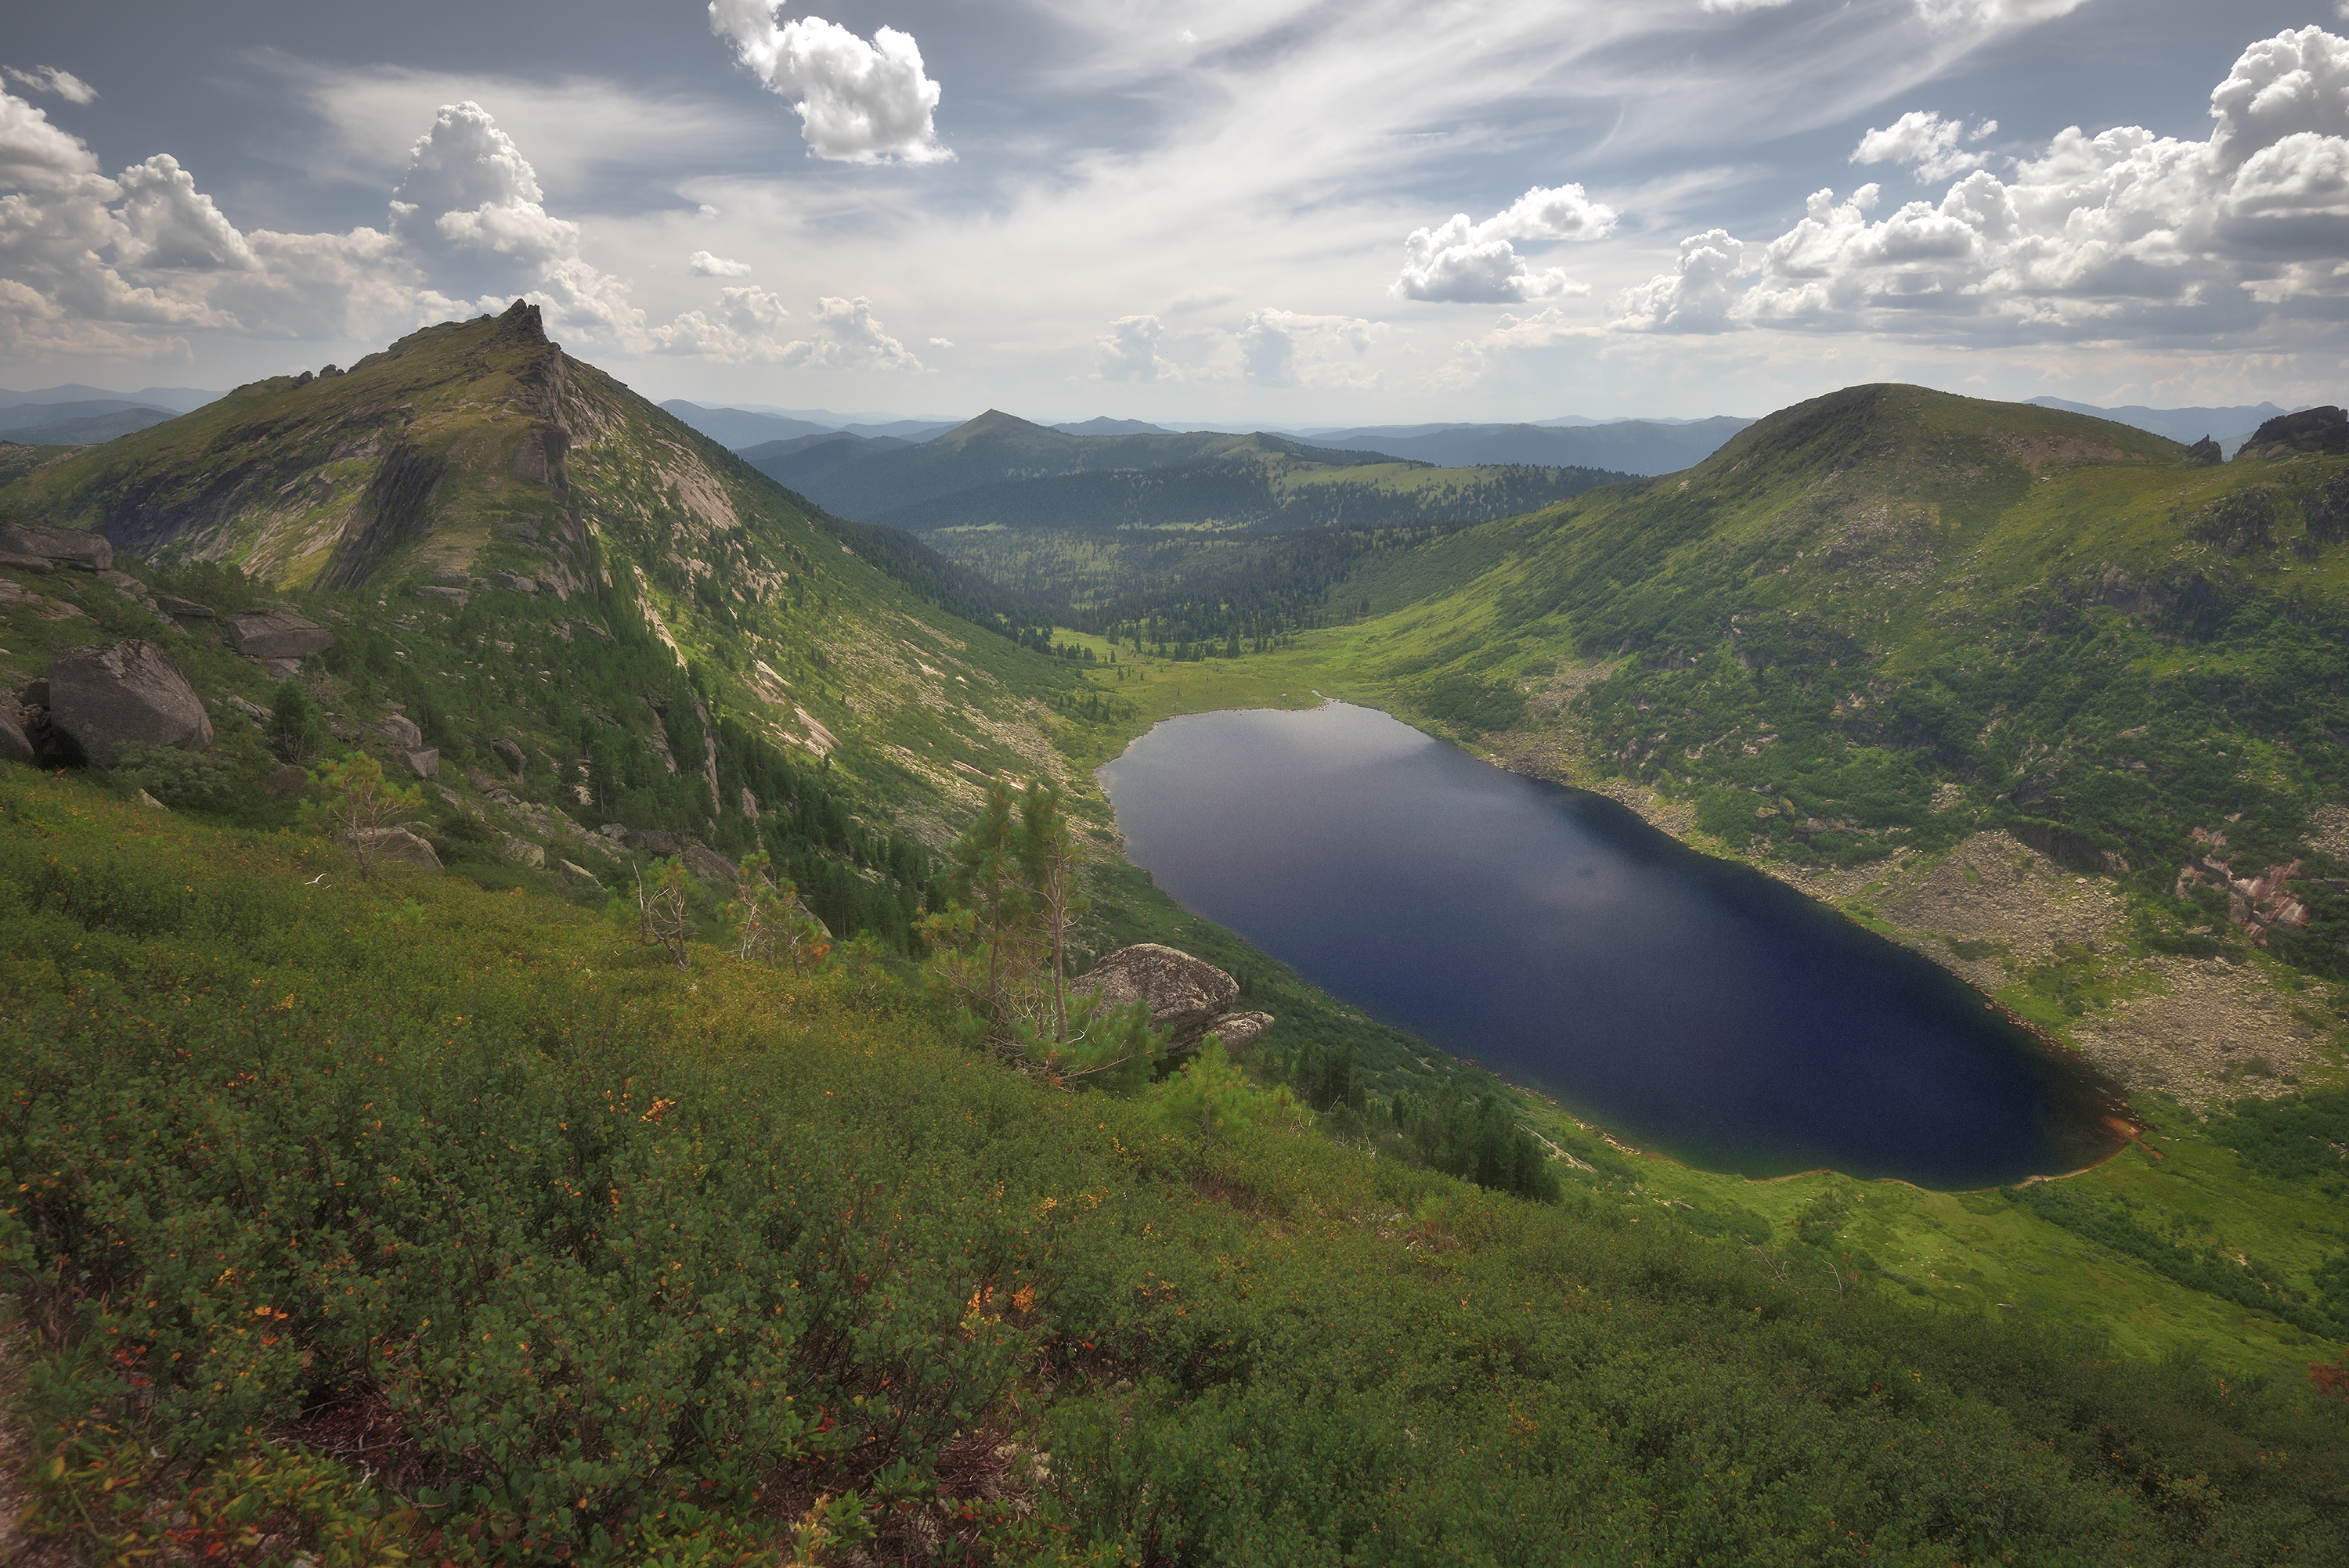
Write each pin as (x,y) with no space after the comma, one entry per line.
(1277,211)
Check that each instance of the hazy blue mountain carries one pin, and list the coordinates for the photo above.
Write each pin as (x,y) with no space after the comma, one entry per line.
(740,427)
(1642,447)
(83,429)
(25,416)
(2230,427)
(994,449)
(177,399)
(1103,425)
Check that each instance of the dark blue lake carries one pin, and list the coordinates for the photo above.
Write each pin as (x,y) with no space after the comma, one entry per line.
(1695,1006)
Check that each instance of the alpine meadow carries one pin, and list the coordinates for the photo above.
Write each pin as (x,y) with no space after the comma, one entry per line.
(594,980)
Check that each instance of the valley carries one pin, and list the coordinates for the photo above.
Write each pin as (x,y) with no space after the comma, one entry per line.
(2024,690)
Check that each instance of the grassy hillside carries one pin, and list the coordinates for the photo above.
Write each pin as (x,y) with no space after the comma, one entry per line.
(370,1219)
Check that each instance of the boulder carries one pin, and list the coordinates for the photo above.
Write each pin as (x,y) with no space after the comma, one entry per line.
(1183,994)
(653,842)
(523,853)
(433,591)
(509,754)
(513,583)
(2204,454)
(616,831)
(38,565)
(399,844)
(1240,1030)
(578,878)
(401,732)
(2323,429)
(275,635)
(14,745)
(183,609)
(73,547)
(424,761)
(113,695)
(712,869)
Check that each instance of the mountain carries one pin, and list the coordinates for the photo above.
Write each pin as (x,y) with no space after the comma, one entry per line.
(739,428)
(177,399)
(994,449)
(81,428)
(1627,446)
(1103,425)
(2230,427)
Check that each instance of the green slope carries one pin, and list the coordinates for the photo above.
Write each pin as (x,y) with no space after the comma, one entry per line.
(397,1220)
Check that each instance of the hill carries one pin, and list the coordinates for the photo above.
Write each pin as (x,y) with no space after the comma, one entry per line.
(1626,446)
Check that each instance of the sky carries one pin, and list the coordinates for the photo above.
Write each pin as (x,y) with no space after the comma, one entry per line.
(1284,211)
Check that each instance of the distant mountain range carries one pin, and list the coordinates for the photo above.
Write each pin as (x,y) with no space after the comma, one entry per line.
(1641,446)
(77,424)
(742,429)
(178,399)
(2230,427)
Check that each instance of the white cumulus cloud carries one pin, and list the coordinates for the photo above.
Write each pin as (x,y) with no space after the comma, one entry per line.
(2123,231)
(1462,262)
(1929,144)
(749,325)
(1130,350)
(49,79)
(859,102)
(1694,298)
(702,264)
(1289,348)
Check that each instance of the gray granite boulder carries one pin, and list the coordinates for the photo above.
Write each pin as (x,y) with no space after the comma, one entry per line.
(713,871)
(399,844)
(112,694)
(275,635)
(73,547)
(509,754)
(424,761)
(401,732)
(1185,994)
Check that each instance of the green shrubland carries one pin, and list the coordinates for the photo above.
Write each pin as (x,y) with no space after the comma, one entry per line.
(399,1215)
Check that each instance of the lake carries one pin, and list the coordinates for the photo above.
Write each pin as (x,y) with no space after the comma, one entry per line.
(1694,1006)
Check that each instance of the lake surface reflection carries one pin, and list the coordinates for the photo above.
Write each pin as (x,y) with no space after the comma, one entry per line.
(1696,1006)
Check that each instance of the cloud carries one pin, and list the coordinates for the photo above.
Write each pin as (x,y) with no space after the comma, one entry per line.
(2124,233)
(942,343)
(859,102)
(167,223)
(1986,14)
(1694,298)
(702,264)
(853,340)
(1743,4)
(1926,142)
(1129,352)
(49,79)
(748,326)
(1509,335)
(1470,264)
(1286,348)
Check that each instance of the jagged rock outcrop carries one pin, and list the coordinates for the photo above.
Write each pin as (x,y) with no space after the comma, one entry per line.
(2204,454)
(2324,429)
(109,696)
(1186,997)
(712,869)
(275,635)
(73,547)
(2253,902)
